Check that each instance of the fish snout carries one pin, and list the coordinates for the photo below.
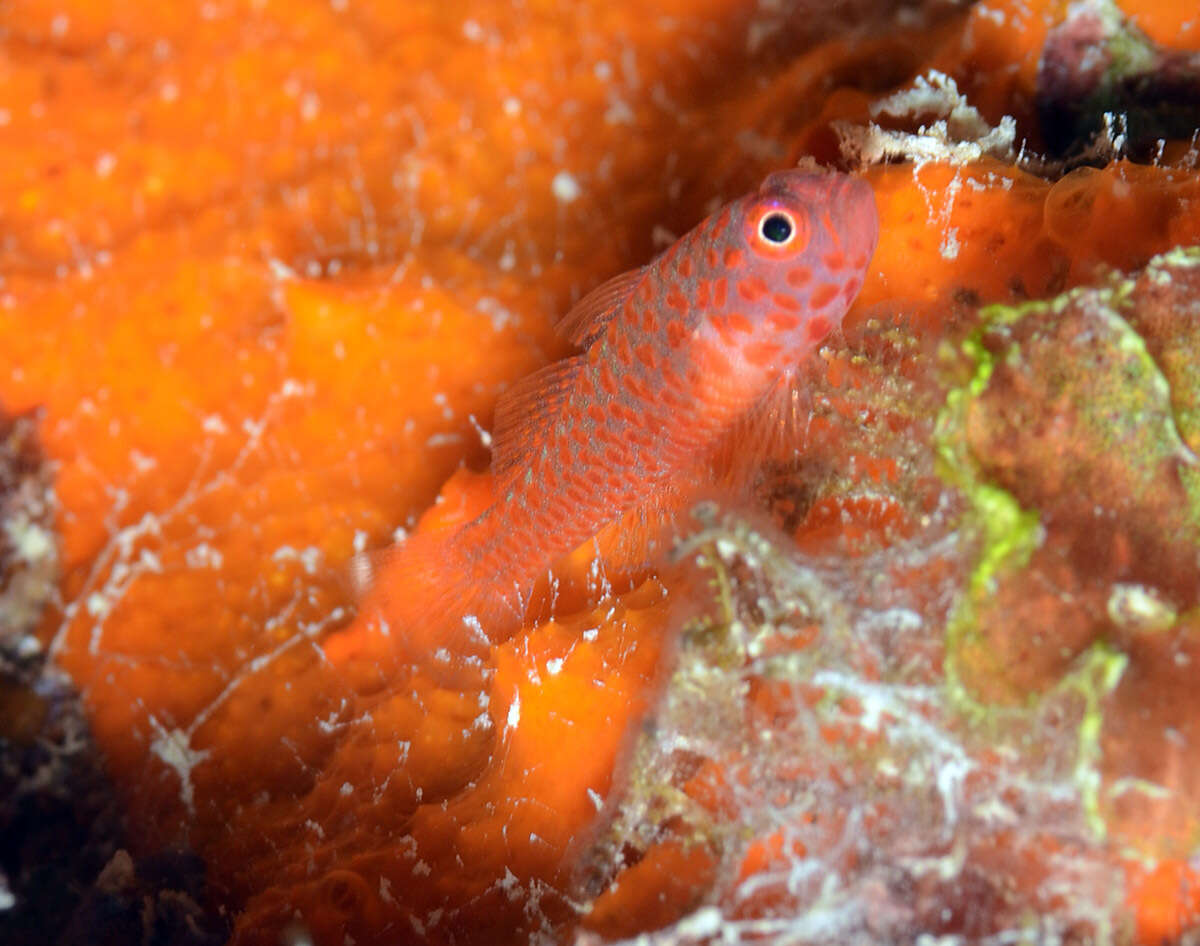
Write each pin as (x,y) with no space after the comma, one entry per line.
(856,216)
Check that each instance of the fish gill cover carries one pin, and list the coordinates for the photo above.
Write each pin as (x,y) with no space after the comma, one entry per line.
(267,269)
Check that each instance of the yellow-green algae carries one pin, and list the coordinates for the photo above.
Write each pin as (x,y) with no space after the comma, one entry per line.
(1009,533)
(1139,417)
(1178,361)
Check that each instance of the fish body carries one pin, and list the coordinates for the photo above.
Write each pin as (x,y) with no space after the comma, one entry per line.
(674,353)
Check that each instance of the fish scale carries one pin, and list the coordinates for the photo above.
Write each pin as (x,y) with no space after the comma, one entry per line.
(674,354)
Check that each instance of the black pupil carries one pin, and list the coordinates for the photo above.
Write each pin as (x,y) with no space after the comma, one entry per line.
(777,228)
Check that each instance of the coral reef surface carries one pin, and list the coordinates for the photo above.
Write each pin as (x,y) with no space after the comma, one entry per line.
(926,676)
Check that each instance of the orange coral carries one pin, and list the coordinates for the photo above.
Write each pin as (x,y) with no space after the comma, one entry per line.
(268,266)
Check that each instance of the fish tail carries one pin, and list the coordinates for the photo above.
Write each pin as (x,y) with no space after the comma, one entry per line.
(439,610)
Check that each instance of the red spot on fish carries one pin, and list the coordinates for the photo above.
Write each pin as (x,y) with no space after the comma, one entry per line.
(719,291)
(834,260)
(823,295)
(784,301)
(818,328)
(724,330)
(740,322)
(712,257)
(761,353)
(649,322)
(799,276)
(752,289)
(734,258)
(622,350)
(672,398)
(860,261)
(564,453)
(633,385)
(702,295)
(645,391)
(596,413)
(645,354)
(676,333)
(676,301)
(831,230)
(645,291)
(685,267)
(715,362)
(784,321)
(605,376)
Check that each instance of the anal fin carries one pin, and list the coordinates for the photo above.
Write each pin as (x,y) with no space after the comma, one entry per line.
(642,534)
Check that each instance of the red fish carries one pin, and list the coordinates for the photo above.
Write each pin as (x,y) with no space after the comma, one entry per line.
(674,353)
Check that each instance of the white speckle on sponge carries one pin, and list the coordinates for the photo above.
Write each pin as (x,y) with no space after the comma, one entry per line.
(565,187)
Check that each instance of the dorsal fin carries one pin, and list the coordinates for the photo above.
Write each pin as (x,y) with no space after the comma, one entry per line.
(587,319)
(524,415)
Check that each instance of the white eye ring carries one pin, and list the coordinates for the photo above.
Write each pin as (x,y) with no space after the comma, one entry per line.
(777,227)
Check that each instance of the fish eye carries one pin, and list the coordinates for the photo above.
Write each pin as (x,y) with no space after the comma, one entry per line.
(776,231)
(777,228)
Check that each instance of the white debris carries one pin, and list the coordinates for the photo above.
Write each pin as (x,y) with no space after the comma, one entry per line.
(565,188)
(958,135)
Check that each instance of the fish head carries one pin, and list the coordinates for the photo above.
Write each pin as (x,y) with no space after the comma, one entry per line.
(833,213)
(806,241)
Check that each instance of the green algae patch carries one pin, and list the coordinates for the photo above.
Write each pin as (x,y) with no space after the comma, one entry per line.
(1093,679)
(1064,439)
(1077,420)
(1009,533)
(1167,316)
(1071,431)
